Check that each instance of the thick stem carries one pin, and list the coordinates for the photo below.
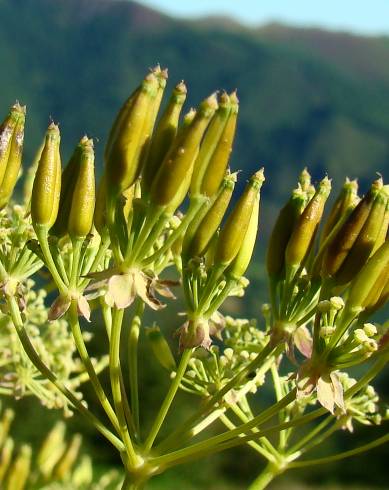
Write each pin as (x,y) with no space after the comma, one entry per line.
(265,477)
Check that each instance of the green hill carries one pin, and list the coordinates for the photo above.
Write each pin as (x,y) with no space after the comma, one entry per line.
(308,97)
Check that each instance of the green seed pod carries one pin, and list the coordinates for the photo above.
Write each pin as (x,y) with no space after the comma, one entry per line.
(364,243)
(83,200)
(7,129)
(282,232)
(99,218)
(366,279)
(160,348)
(68,181)
(20,470)
(47,183)
(200,234)
(303,235)
(233,232)
(241,262)
(132,129)
(51,450)
(344,204)
(305,180)
(181,193)
(179,161)
(68,459)
(218,163)
(12,170)
(164,135)
(341,244)
(6,457)
(5,424)
(383,230)
(209,143)
(183,188)
(379,293)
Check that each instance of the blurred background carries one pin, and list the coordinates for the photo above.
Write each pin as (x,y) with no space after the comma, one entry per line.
(313,83)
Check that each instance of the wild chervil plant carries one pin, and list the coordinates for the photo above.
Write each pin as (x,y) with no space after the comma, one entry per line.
(110,252)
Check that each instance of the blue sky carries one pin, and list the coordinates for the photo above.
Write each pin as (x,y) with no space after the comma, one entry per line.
(364,16)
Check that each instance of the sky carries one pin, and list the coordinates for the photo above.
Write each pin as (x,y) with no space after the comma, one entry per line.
(361,16)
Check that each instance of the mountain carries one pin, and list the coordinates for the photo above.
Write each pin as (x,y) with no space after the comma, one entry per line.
(308,96)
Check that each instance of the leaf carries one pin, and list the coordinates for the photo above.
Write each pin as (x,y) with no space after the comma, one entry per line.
(121,290)
(338,392)
(83,307)
(325,393)
(59,308)
(303,341)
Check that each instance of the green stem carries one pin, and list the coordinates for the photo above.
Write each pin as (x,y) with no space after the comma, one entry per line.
(77,246)
(133,363)
(42,235)
(115,375)
(180,230)
(257,447)
(81,347)
(186,355)
(152,216)
(311,434)
(229,438)
(47,373)
(185,431)
(268,474)
(342,455)
(279,395)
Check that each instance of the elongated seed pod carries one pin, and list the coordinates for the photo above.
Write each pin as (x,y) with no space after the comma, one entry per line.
(123,156)
(282,231)
(6,453)
(366,279)
(341,244)
(185,184)
(233,232)
(181,192)
(364,243)
(68,459)
(196,241)
(6,132)
(345,203)
(118,122)
(5,424)
(305,180)
(14,162)
(68,181)
(83,200)
(149,123)
(20,469)
(51,449)
(47,183)
(164,135)
(241,262)
(209,143)
(378,294)
(383,230)
(303,234)
(218,163)
(161,348)
(179,161)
